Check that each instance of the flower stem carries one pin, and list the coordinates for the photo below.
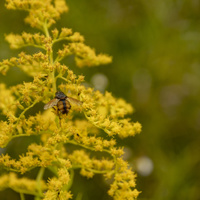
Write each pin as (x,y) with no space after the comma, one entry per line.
(38,181)
(71,179)
(22,197)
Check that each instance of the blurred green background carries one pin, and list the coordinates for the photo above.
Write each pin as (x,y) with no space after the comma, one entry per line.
(156,67)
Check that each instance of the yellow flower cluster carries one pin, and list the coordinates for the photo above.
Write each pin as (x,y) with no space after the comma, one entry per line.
(20,185)
(56,186)
(7,100)
(40,12)
(123,183)
(86,124)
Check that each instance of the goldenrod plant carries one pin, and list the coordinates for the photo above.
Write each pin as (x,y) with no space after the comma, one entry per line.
(90,127)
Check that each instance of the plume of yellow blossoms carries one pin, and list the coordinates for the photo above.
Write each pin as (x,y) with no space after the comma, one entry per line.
(100,114)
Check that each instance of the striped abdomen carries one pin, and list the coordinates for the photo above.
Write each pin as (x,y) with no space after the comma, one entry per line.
(63,106)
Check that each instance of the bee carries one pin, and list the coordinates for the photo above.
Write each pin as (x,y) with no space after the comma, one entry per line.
(62,102)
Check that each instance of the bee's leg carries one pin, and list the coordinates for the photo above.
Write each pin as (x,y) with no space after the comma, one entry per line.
(55,110)
(60,120)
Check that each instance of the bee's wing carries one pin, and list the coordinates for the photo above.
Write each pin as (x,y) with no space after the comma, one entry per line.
(74,101)
(51,103)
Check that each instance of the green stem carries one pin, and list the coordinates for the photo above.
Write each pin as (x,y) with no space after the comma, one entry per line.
(22,197)
(95,171)
(59,39)
(22,192)
(71,180)
(62,78)
(53,169)
(86,147)
(46,31)
(36,101)
(54,81)
(59,147)
(39,133)
(34,45)
(25,135)
(38,181)
(79,196)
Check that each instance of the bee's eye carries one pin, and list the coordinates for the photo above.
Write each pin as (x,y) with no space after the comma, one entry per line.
(60,95)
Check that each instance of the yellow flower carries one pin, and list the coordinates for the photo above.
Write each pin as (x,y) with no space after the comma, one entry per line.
(92,123)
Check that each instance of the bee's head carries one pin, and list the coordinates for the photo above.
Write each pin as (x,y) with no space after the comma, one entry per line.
(60,95)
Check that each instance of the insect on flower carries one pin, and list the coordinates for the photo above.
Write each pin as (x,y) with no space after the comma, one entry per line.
(62,102)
